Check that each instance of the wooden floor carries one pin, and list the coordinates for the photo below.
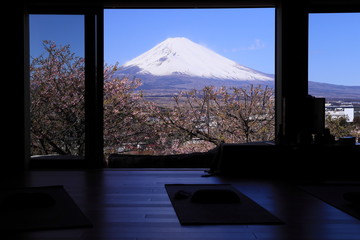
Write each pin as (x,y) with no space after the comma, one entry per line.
(133,205)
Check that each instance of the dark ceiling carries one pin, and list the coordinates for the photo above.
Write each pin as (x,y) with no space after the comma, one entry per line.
(314,5)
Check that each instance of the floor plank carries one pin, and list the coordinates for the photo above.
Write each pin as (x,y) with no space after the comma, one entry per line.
(129,205)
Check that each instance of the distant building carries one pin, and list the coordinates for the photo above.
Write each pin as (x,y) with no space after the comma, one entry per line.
(340,110)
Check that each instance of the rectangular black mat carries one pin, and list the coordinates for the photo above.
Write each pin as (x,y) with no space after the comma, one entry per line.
(191,213)
(333,194)
(25,209)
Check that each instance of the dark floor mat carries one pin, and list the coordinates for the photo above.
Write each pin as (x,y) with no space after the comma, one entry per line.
(333,194)
(39,208)
(191,210)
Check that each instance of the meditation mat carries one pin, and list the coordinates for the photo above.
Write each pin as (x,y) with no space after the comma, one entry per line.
(201,204)
(39,208)
(346,198)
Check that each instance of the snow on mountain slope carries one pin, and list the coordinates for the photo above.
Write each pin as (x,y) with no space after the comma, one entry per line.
(181,56)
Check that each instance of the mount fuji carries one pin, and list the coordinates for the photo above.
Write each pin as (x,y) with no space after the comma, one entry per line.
(179,63)
(181,56)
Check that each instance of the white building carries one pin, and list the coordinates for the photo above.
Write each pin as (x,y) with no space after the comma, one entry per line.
(337,111)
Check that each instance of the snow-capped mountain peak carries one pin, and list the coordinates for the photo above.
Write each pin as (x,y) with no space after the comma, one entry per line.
(181,56)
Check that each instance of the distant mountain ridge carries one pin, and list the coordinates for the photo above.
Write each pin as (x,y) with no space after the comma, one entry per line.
(334,91)
(180,64)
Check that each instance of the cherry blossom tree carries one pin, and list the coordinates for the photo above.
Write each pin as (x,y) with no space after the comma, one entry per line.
(128,122)
(58,106)
(222,115)
(57,102)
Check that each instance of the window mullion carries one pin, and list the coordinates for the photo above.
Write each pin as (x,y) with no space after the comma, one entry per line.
(93,89)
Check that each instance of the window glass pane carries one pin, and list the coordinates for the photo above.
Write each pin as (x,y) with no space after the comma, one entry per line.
(57,85)
(186,80)
(334,69)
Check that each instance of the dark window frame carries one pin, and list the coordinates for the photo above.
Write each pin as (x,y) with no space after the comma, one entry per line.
(93,51)
(290,19)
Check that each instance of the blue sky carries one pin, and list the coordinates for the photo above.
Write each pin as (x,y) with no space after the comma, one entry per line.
(63,29)
(334,48)
(243,35)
